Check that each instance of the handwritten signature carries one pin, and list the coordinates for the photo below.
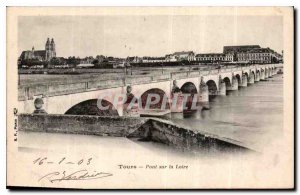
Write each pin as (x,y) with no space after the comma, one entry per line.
(77,175)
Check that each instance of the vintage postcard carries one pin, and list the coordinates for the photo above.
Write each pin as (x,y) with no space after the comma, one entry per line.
(150,97)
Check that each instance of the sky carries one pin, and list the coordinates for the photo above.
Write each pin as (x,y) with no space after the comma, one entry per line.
(122,36)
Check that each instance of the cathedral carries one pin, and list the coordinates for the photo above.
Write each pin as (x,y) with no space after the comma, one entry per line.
(42,55)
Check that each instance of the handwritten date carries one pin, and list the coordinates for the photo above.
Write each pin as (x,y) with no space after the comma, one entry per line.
(45,160)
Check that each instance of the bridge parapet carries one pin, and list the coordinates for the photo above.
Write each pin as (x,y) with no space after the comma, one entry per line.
(214,71)
(135,80)
(179,75)
(161,77)
(104,84)
(26,92)
(278,65)
(204,72)
(65,88)
(194,73)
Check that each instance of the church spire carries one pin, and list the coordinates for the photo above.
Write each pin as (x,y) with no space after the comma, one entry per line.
(47,47)
(52,45)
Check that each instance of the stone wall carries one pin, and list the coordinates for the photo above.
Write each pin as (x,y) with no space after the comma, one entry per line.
(145,129)
(76,124)
(166,132)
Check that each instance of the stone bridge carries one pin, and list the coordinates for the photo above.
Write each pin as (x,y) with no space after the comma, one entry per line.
(81,97)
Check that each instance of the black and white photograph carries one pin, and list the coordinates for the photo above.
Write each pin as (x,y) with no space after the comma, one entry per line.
(150,97)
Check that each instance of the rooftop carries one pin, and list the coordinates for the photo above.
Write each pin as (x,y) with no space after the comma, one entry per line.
(210,54)
(239,48)
(183,52)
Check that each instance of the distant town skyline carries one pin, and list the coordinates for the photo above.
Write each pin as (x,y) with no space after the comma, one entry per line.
(122,36)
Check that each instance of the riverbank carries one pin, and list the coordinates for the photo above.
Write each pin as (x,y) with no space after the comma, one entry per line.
(40,76)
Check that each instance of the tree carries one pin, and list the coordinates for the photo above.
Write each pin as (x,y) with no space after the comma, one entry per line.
(184,61)
(95,62)
(54,61)
(32,62)
(100,58)
(73,61)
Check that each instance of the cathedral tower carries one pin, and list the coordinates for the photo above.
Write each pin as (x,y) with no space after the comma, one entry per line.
(48,50)
(52,46)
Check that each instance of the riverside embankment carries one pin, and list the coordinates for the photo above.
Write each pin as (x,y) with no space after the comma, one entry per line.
(142,129)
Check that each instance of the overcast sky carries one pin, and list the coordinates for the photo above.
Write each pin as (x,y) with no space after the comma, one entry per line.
(123,36)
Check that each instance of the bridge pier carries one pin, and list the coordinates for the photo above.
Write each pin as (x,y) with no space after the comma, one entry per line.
(272,72)
(241,80)
(266,74)
(244,81)
(262,76)
(234,84)
(251,79)
(257,78)
(240,84)
(222,88)
(133,111)
(270,75)
(203,95)
(177,103)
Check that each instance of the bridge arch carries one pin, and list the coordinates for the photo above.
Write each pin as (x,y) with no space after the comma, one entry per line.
(257,78)
(247,75)
(227,82)
(163,102)
(189,88)
(212,87)
(90,107)
(273,70)
(253,74)
(262,73)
